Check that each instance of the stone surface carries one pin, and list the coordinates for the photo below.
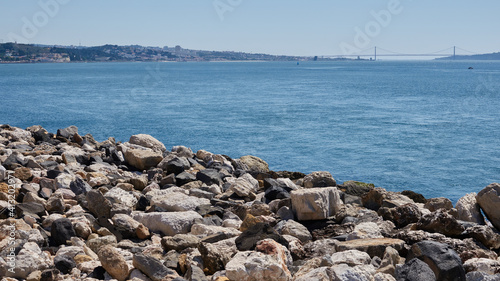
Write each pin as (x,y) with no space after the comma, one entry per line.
(373,247)
(489,201)
(147,141)
(415,270)
(30,258)
(215,256)
(440,221)
(178,202)
(153,268)
(180,242)
(315,203)
(294,229)
(61,231)
(142,159)
(444,261)
(255,164)
(434,204)
(349,257)
(379,197)
(249,238)
(169,223)
(319,179)
(487,266)
(468,209)
(113,262)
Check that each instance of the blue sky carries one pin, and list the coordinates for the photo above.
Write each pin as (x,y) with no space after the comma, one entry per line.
(290,27)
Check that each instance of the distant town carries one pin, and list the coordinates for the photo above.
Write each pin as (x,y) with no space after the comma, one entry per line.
(34,53)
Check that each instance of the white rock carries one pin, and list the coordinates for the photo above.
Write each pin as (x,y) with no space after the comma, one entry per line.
(64,180)
(315,203)
(383,277)
(483,265)
(244,185)
(295,229)
(207,230)
(318,274)
(365,230)
(70,251)
(170,223)
(349,257)
(253,266)
(147,141)
(343,272)
(3,173)
(178,202)
(118,195)
(468,209)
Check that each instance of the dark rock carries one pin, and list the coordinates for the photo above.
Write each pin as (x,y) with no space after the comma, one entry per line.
(14,161)
(64,263)
(179,242)
(61,231)
(50,165)
(287,174)
(415,270)
(210,210)
(98,273)
(98,205)
(79,186)
(209,176)
(49,275)
(416,197)
(31,208)
(177,165)
(68,132)
(42,135)
(441,222)
(152,267)
(184,178)
(276,192)
(406,214)
(434,204)
(155,174)
(444,261)
(142,203)
(209,220)
(52,174)
(249,238)
(47,183)
(356,188)
(485,235)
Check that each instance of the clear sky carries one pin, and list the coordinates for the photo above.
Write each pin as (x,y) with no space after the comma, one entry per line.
(290,27)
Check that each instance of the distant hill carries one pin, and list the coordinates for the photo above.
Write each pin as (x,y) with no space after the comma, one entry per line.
(30,53)
(492,56)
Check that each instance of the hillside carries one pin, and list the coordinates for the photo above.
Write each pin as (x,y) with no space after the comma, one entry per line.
(492,56)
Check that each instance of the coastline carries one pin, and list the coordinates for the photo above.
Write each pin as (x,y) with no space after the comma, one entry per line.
(137,209)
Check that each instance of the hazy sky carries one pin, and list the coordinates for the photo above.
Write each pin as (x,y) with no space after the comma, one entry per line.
(291,27)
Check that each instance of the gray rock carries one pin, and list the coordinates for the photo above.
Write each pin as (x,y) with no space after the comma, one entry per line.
(117,195)
(142,159)
(169,223)
(153,268)
(442,222)
(254,164)
(294,229)
(209,176)
(68,132)
(98,204)
(319,179)
(179,202)
(179,242)
(434,204)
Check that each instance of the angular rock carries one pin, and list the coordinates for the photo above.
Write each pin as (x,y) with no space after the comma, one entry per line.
(117,195)
(29,259)
(79,186)
(405,214)
(485,235)
(294,229)
(209,176)
(319,179)
(349,257)
(169,223)
(365,230)
(113,262)
(244,186)
(215,256)
(444,262)
(343,272)
(179,202)
(356,188)
(147,141)
(208,230)
(64,264)
(373,247)
(415,270)
(179,242)
(23,173)
(142,159)
(254,164)
(442,222)
(184,177)
(416,197)
(489,201)
(68,132)
(379,197)
(153,268)
(434,204)
(315,203)
(98,204)
(177,165)
(468,209)
(487,266)
(96,244)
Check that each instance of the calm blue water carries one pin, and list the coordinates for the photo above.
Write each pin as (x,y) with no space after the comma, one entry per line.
(430,126)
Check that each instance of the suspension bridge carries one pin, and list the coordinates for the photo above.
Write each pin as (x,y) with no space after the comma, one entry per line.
(374,52)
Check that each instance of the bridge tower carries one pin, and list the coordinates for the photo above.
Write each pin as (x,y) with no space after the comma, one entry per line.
(375,53)
(454,52)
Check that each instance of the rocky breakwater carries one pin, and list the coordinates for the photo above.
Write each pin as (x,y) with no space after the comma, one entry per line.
(73,208)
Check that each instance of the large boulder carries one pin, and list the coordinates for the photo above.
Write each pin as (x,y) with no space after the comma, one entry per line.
(442,222)
(319,179)
(468,209)
(30,258)
(153,268)
(169,223)
(147,141)
(295,229)
(142,159)
(379,197)
(178,202)
(249,238)
(316,203)
(489,201)
(434,204)
(269,263)
(255,164)
(444,261)
(61,231)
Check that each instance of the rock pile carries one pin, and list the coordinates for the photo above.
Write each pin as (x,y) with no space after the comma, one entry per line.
(73,208)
